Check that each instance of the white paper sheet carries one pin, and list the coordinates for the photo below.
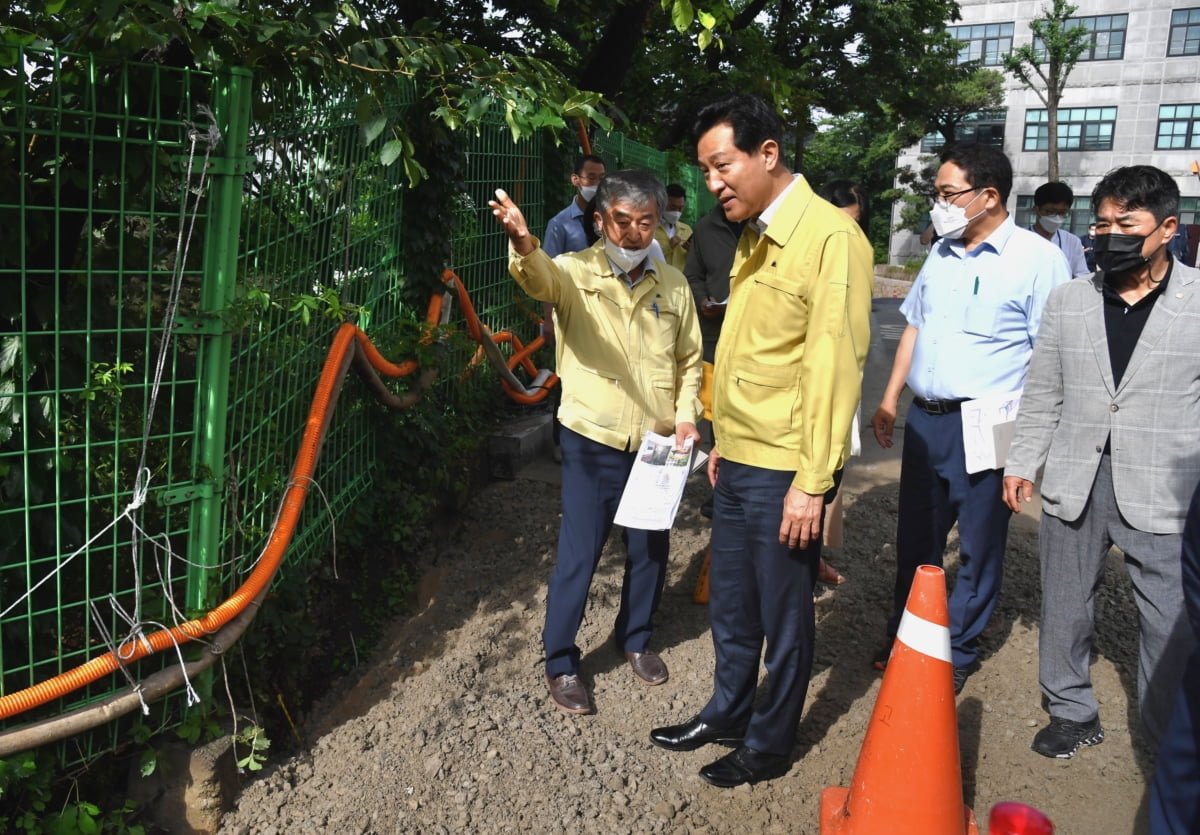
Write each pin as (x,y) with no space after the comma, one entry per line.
(655,485)
(988,423)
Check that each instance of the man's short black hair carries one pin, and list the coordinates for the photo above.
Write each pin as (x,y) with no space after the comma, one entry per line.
(985,166)
(676,190)
(752,119)
(583,159)
(1053,193)
(1139,187)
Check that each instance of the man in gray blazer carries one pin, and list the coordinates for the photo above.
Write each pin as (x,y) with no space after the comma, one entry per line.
(1111,406)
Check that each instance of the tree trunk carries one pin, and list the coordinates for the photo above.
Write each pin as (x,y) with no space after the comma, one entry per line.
(1052,98)
(612,59)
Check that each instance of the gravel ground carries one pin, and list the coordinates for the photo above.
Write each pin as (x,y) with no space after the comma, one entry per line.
(449,728)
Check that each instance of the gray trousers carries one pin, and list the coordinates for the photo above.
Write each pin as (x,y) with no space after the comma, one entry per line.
(1072,556)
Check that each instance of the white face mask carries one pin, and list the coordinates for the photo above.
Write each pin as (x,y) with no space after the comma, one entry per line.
(672,217)
(625,259)
(1051,223)
(587,193)
(951,221)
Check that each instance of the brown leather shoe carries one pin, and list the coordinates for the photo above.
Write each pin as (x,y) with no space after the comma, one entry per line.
(568,693)
(647,666)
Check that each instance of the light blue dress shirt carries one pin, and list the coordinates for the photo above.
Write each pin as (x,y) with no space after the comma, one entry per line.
(565,233)
(977,313)
(1072,249)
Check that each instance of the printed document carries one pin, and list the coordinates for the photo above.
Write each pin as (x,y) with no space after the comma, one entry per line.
(988,425)
(655,485)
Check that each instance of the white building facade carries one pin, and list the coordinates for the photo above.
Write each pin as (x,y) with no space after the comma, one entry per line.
(1133,98)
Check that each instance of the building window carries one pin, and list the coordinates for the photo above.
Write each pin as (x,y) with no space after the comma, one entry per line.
(1107,38)
(986,43)
(1185,33)
(1178,127)
(1189,210)
(985,128)
(1078,222)
(1079,129)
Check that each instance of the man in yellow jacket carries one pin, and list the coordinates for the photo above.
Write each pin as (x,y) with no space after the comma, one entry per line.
(786,382)
(673,235)
(629,354)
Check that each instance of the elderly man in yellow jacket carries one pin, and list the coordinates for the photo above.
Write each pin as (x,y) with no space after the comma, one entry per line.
(629,354)
(786,382)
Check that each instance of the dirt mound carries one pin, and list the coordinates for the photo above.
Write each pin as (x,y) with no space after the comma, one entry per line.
(450,728)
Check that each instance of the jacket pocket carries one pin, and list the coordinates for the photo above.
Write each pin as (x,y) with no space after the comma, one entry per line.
(661,394)
(763,397)
(596,396)
(774,313)
(664,329)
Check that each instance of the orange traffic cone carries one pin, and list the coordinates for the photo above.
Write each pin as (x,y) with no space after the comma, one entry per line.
(700,593)
(908,780)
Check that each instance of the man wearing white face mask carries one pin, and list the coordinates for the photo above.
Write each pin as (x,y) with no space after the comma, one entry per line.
(973,312)
(1052,208)
(675,236)
(629,357)
(566,231)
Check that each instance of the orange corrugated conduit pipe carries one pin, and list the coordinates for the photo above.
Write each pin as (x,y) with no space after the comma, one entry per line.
(349,343)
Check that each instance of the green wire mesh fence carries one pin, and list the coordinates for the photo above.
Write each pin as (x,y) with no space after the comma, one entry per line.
(151,230)
(93,213)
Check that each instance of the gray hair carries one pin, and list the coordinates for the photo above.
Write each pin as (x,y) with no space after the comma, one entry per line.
(634,186)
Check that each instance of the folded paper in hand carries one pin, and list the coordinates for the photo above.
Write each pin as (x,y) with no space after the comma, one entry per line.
(655,485)
(988,425)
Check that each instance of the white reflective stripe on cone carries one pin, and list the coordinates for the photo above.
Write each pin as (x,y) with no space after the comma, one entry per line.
(925,636)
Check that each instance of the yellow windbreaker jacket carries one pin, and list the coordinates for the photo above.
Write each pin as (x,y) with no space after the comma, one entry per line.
(677,256)
(629,360)
(789,362)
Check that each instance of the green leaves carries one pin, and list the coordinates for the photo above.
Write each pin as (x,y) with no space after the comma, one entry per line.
(682,14)
(393,150)
(255,740)
(373,128)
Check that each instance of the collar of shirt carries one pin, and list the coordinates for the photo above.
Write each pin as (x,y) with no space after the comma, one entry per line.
(760,223)
(647,270)
(1111,296)
(996,241)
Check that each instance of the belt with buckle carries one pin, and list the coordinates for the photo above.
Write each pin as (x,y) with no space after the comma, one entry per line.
(939,407)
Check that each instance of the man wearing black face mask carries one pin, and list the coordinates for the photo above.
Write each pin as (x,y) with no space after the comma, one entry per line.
(1111,407)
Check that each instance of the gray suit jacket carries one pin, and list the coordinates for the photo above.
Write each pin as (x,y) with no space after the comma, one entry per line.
(1070,406)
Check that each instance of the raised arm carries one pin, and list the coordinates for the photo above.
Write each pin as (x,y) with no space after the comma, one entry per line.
(513,223)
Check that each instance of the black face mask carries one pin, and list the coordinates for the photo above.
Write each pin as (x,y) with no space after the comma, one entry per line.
(1116,253)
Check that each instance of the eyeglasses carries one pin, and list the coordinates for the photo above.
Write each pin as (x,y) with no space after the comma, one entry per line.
(947,197)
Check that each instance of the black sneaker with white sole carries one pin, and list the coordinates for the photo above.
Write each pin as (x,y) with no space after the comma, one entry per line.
(1062,737)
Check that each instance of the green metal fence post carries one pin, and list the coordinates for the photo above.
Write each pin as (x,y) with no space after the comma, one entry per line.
(231,105)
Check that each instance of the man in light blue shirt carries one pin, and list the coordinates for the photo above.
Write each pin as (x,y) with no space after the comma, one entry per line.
(566,231)
(973,313)
(1051,209)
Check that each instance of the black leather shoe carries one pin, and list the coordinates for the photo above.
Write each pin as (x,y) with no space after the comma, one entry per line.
(745,765)
(691,735)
